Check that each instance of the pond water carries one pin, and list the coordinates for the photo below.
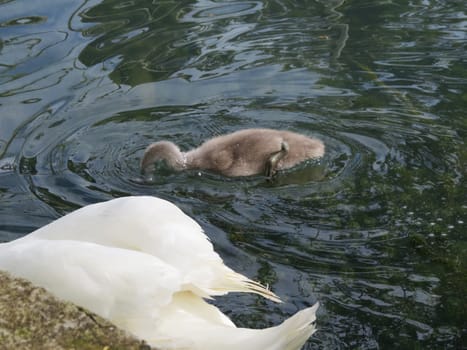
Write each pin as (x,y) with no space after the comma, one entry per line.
(376,231)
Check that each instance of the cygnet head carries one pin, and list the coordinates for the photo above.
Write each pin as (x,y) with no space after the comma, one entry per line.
(162,151)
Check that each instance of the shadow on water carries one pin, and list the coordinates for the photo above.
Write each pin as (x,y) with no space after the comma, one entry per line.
(374,230)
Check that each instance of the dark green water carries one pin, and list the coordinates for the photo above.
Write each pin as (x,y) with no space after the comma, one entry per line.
(376,232)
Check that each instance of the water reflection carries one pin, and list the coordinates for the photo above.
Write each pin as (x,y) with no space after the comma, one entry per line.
(199,40)
(374,231)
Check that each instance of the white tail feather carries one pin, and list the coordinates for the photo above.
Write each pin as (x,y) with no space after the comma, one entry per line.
(241,283)
(298,328)
(202,333)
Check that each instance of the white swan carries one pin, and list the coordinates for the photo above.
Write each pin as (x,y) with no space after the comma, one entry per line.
(242,153)
(146,266)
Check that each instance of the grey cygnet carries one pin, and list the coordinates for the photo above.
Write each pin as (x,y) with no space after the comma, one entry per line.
(242,153)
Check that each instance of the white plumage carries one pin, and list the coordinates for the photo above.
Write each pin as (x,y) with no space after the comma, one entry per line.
(146,266)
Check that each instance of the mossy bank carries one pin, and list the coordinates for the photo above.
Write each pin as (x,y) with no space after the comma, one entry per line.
(32,318)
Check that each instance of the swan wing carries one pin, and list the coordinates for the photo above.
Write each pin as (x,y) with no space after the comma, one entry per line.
(157,227)
(124,286)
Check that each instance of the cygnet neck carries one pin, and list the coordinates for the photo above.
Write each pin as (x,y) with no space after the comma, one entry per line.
(166,151)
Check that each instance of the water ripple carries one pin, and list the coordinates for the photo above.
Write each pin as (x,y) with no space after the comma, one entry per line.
(212,11)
